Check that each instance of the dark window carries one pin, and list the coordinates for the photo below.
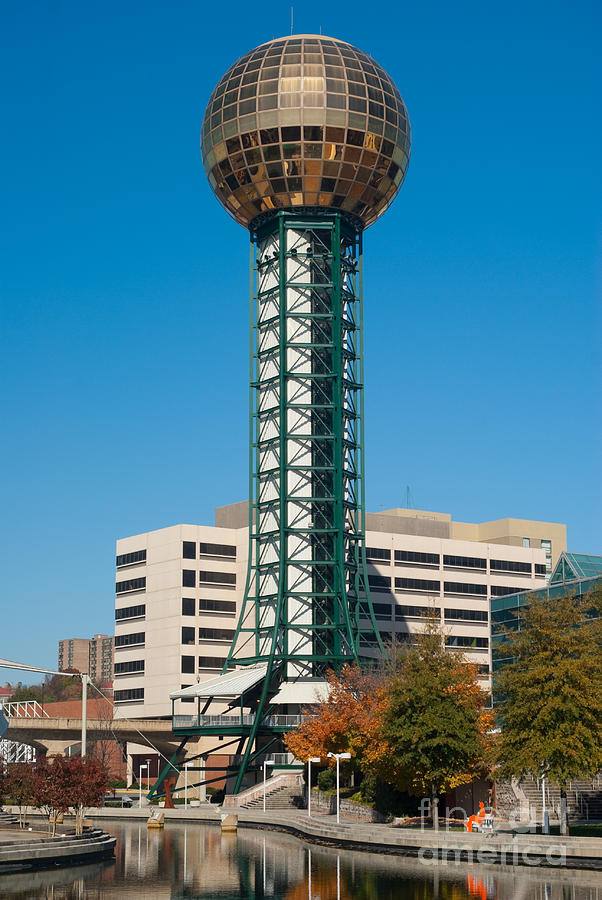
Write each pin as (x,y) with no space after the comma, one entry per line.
(510,565)
(130,612)
(377,553)
(188,606)
(211,662)
(416,612)
(189,549)
(129,667)
(186,699)
(540,569)
(483,669)
(379,582)
(461,640)
(128,559)
(131,694)
(188,635)
(217,578)
(457,587)
(467,615)
(188,664)
(415,558)
(381,611)
(227,606)
(499,590)
(465,562)
(188,578)
(134,584)
(216,634)
(218,550)
(126,640)
(416,584)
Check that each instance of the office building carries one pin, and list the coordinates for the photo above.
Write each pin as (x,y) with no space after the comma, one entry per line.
(179,592)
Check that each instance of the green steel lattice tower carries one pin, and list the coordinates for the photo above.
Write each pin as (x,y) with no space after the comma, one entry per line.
(305,141)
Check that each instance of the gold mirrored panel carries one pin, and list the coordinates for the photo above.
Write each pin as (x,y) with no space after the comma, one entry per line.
(305,121)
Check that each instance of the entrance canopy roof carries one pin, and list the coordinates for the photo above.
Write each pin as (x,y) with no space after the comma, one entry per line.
(228,686)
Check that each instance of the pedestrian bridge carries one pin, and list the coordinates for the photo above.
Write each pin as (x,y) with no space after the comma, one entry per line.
(39,731)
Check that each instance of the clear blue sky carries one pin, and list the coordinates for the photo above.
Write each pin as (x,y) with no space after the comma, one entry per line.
(124,284)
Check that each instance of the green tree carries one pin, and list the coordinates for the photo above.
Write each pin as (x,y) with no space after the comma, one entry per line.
(551,715)
(434,719)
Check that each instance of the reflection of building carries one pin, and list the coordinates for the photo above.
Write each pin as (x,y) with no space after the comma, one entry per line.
(91,655)
(574,573)
(179,591)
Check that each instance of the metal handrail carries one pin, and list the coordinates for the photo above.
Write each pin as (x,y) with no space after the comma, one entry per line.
(24,709)
(197,721)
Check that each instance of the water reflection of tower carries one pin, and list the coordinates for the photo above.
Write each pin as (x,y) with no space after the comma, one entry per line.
(305,141)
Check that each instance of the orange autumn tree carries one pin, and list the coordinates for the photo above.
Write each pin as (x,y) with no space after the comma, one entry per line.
(346,721)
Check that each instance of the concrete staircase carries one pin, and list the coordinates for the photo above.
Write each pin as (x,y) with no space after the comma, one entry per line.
(8,818)
(584,798)
(280,797)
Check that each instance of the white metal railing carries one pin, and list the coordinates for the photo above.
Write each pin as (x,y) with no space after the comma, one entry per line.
(24,709)
(201,720)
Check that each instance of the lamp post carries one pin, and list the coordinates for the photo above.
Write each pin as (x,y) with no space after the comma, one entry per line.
(186,765)
(148,762)
(314,759)
(266,763)
(339,757)
(140,784)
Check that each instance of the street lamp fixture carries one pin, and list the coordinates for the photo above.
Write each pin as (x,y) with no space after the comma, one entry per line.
(312,759)
(339,757)
(266,763)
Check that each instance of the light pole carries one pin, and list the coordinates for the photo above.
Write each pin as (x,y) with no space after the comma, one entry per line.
(140,784)
(314,759)
(339,757)
(266,763)
(148,762)
(186,765)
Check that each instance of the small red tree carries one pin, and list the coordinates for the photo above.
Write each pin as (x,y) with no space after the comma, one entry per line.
(69,783)
(18,786)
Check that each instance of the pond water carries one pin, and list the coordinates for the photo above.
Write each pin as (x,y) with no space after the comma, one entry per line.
(197,861)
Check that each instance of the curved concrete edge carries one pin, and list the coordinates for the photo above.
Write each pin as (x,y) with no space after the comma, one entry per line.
(502,848)
(61,850)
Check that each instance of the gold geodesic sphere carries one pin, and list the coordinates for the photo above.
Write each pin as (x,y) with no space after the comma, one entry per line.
(302,122)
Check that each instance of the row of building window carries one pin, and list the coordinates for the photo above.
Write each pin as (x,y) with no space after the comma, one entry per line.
(133,584)
(464,640)
(205,662)
(207,605)
(128,694)
(206,634)
(383,611)
(189,550)
(129,640)
(412,557)
(131,667)
(189,578)
(129,559)
(130,612)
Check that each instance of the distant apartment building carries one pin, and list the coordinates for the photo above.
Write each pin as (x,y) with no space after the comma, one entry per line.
(91,655)
(179,591)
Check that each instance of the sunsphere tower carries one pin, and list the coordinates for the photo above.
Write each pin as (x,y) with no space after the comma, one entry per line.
(305,142)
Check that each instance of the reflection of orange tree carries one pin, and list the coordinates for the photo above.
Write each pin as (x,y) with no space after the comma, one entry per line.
(323,885)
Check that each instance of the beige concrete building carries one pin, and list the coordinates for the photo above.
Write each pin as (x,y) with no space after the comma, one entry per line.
(179,591)
(91,655)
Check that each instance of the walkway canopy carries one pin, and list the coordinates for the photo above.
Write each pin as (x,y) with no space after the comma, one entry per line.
(227,687)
